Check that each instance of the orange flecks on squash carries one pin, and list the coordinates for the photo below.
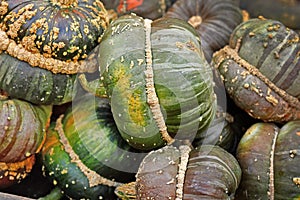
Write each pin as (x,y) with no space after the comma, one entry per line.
(17,170)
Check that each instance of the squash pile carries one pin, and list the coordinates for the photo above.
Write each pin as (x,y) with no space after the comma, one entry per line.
(140,99)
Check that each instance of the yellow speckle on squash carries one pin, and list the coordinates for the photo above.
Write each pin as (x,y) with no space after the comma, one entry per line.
(136,109)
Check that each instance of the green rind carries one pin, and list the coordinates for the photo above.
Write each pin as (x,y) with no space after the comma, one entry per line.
(182,79)
(33,84)
(97,141)
(78,26)
(66,174)
(273,49)
(287,161)
(253,155)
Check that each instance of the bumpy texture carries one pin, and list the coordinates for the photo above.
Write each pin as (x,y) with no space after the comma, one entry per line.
(42,41)
(260,69)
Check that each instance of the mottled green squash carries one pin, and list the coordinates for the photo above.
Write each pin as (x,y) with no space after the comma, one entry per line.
(44,45)
(269,158)
(84,153)
(36,85)
(158,81)
(260,69)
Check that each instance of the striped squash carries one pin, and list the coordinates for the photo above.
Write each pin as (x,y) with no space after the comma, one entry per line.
(207,172)
(213,20)
(22,134)
(84,154)
(269,159)
(157,79)
(260,69)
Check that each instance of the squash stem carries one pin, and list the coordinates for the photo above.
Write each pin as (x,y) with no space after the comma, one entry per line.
(195,21)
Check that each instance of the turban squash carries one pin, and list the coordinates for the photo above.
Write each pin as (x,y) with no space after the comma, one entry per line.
(84,154)
(206,172)
(159,84)
(213,20)
(269,158)
(44,44)
(22,134)
(286,11)
(260,69)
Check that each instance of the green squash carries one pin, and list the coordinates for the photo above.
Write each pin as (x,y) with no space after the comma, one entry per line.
(159,84)
(44,45)
(269,158)
(260,69)
(84,153)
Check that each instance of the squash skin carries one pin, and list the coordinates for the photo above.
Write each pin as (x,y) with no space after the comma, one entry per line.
(211,173)
(285,11)
(39,86)
(46,23)
(93,143)
(23,129)
(254,153)
(23,133)
(175,48)
(57,162)
(44,45)
(259,69)
(213,20)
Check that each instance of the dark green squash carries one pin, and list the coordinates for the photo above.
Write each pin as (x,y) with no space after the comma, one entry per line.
(286,11)
(145,8)
(207,172)
(44,45)
(159,83)
(84,153)
(22,135)
(220,132)
(36,85)
(213,20)
(269,158)
(260,70)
